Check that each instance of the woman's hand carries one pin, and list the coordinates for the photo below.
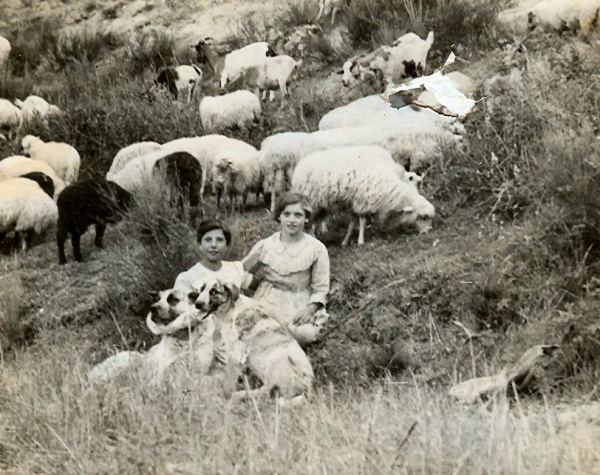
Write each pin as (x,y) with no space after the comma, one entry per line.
(307,316)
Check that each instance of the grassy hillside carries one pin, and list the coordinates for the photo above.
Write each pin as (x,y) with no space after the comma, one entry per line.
(513,256)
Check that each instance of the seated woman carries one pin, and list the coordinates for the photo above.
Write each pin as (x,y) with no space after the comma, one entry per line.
(292,268)
(214,239)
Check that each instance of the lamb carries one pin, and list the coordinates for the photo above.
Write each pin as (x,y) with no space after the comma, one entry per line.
(35,107)
(237,109)
(93,201)
(184,335)
(344,176)
(235,63)
(26,205)
(128,153)
(330,6)
(62,157)
(22,167)
(274,73)
(236,174)
(4,53)
(180,78)
(8,162)
(407,57)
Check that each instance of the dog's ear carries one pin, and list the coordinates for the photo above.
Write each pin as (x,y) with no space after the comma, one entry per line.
(193,295)
(233,290)
(154,294)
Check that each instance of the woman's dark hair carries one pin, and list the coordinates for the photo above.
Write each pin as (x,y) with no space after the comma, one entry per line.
(210,225)
(290,198)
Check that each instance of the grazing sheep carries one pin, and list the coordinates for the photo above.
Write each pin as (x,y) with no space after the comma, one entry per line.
(94,201)
(8,162)
(264,346)
(273,74)
(330,6)
(10,115)
(62,157)
(407,57)
(184,337)
(128,153)
(345,177)
(4,53)
(237,109)
(235,63)
(184,173)
(23,167)
(26,205)
(34,107)
(180,78)
(235,175)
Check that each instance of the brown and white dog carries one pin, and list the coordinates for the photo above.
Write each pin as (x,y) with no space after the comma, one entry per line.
(263,345)
(186,338)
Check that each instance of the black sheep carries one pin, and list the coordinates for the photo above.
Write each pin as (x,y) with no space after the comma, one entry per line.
(94,201)
(184,173)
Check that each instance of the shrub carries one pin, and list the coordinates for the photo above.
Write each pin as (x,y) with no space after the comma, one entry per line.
(155,48)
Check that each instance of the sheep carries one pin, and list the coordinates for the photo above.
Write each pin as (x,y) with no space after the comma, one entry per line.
(280,153)
(8,162)
(22,167)
(330,6)
(62,157)
(183,172)
(35,107)
(94,201)
(461,81)
(406,57)
(345,176)
(237,109)
(274,73)
(236,174)
(4,53)
(26,205)
(128,153)
(235,63)
(180,78)
(10,115)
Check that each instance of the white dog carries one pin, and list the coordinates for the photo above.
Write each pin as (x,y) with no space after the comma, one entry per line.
(264,345)
(186,339)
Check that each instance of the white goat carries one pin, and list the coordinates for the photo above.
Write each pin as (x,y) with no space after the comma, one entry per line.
(179,79)
(330,6)
(62,157)
(273,74)
(407,57)
(236,109)
(238,61)
(344,175)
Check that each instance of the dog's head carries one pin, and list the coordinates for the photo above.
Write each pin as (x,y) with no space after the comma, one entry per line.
(216,295)
(173,310)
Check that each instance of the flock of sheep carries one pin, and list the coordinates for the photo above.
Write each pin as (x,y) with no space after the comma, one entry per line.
(358,158)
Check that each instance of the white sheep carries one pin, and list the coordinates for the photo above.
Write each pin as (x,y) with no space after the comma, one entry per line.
(236,174)
(4,52)
(180,78)
(274,73)
(237,109)
(128,153)
(22,167)
(35,107)
(407,57)
(25,207)
(8,162)
(346,176)
(330,6)
(132,177)
(10,115)
(62,157)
